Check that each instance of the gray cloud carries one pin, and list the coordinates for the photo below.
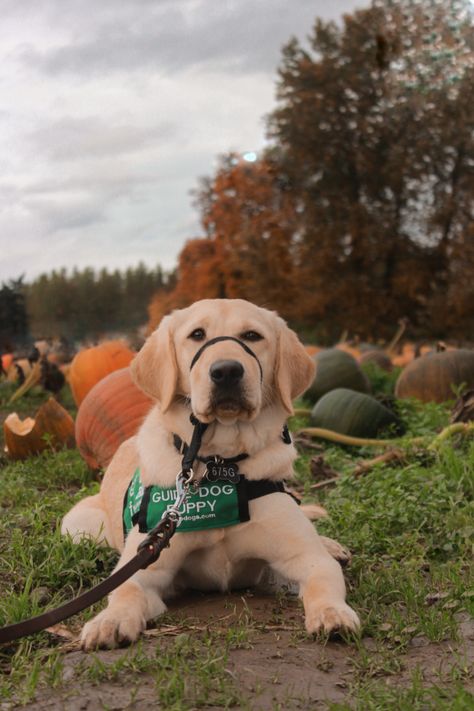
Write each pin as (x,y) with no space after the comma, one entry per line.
(239,36)
(69,138)
(67,214)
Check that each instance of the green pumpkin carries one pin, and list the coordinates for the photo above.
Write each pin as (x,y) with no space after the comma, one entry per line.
(352,413)
(377,356)
(336,369)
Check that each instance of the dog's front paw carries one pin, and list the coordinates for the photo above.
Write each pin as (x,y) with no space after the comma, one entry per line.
(111,628)
(331,617)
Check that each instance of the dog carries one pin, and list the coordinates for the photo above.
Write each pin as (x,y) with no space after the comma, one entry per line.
(236,368)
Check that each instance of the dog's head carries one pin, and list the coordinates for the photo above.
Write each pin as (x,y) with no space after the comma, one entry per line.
(259,362)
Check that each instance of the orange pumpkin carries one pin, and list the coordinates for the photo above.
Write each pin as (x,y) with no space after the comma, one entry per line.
(431,378)
(24,438)
(7,360)
(90,365)
(109,414)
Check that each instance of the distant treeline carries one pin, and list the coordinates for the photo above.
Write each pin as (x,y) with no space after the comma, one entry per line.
(77,305)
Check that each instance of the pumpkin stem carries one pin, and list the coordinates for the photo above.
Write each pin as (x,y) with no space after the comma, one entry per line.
(463,428)
(344,336)
(391,455)
(32,379)
(356,441)
(402,325)
(301,412)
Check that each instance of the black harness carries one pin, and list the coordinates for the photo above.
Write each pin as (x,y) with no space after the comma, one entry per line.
(222,474)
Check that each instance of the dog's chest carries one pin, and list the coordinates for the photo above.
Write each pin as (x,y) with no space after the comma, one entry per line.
(213,569)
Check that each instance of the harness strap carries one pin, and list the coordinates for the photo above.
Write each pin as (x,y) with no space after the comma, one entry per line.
(218,339)
(182,448)
(262,487)
(191,453)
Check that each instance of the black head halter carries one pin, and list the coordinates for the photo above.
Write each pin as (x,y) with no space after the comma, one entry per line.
(226,338)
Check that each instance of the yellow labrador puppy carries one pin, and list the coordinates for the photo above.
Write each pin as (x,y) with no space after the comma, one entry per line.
(237,368)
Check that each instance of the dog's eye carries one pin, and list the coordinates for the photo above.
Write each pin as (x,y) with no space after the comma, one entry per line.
(198,334)
(251,336)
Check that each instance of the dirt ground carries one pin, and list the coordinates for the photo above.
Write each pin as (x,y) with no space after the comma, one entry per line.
(281,668)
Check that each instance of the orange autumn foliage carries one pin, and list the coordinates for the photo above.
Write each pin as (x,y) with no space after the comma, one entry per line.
(198,278)
(250,222)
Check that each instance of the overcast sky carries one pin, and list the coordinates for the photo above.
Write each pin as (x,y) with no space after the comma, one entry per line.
(112,109)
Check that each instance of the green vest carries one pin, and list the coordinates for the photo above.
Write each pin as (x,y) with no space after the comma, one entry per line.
(216,504)
(213,505)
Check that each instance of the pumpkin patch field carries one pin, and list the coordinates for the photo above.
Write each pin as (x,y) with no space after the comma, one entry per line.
(387,452)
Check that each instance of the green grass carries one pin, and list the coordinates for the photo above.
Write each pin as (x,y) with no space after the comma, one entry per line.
(417,697)
(382,383)
(409,526)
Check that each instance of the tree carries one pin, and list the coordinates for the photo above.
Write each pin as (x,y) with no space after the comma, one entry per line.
(381,163)
(13,317)
(360,212)
(250,225)
(248,214)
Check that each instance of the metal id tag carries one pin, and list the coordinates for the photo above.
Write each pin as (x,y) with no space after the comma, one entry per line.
(222,471)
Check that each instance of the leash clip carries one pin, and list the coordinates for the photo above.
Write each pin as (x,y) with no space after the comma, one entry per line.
(187,482)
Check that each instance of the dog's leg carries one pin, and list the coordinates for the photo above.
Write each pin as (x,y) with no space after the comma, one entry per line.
(283,536)
(87,519)
(137,600)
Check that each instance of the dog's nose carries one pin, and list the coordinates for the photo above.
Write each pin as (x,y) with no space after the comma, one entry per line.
(226,372)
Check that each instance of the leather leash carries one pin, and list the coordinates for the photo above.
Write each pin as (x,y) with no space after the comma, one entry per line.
(144,557)
(147,553)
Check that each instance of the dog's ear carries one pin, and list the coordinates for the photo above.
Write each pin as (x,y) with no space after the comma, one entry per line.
(294,367)
(155,369)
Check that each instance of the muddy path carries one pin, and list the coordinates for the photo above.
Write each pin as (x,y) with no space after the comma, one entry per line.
(277,667)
